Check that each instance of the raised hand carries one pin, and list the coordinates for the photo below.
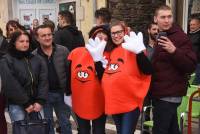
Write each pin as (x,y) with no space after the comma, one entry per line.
(96,48)
(134,43)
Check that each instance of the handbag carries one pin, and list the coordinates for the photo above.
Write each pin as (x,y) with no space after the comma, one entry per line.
(32,124)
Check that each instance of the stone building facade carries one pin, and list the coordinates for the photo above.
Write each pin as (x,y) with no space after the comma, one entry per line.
(136,13)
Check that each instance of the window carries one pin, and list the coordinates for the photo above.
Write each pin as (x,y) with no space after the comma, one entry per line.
(46,1)
(36,1)
(27,1)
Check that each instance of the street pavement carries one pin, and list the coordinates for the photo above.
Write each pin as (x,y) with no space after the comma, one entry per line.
(110,127)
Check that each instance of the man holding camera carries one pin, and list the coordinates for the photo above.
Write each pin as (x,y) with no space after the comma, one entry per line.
(173,60)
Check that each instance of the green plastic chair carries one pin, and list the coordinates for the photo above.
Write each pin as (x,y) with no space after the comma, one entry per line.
(144,123)
(184,107)
(181,111)
(181,114)
(195,105)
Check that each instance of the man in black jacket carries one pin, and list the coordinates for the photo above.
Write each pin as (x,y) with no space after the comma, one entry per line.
(194,35)
(55,58)
(68,34)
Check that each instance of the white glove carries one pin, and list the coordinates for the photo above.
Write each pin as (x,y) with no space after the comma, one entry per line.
(104,62)
(134,43)
(68,100)
(96,48)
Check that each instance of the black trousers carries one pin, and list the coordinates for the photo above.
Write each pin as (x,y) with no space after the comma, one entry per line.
(165,117)
(98,125)
(3,125)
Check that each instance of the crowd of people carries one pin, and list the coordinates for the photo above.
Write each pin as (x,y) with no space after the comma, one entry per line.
(113,73)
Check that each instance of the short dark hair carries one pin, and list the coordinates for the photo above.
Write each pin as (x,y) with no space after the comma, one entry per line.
(42,27)
(104,13)
(50,24)
(68,16)
(151,24)
(195,17)
(161,7)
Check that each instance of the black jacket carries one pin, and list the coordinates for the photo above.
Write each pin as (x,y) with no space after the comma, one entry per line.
(195,39)
(70,37)
(24,79)
(3,46)
(60,64)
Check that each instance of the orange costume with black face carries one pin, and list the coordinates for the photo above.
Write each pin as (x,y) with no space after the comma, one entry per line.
(124,85)
(87,94)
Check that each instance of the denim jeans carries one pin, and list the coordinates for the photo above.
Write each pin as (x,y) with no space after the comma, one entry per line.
(17,113)
(126,122)
(55,102)
(98,125)
(165,117)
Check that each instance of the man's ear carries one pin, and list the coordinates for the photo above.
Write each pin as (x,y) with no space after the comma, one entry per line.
(148,31)
(155,19)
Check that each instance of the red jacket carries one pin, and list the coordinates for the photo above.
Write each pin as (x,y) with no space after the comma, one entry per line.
(171,70)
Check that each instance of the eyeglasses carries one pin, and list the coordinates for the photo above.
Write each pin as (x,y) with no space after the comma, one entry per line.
(118,33)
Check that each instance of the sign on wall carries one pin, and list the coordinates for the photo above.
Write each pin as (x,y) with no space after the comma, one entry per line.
(70,6)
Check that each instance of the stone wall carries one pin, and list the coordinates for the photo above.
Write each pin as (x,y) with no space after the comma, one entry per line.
(136,13)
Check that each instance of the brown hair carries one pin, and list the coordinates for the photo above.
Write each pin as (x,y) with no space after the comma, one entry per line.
(42,27)
(162,7)
(15,24)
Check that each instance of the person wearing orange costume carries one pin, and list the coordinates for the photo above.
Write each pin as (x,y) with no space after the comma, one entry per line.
(126,79)
(86,72)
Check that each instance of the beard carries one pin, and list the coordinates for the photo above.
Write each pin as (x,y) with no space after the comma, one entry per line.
(153,36)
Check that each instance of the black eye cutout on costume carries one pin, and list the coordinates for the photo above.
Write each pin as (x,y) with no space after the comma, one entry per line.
(78,66)
(120,60)
(89,67)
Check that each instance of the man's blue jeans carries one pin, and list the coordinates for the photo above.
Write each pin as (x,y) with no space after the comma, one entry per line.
(56,101)
(126,122)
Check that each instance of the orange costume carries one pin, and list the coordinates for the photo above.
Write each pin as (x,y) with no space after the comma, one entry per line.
(123,83)
(87,94)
